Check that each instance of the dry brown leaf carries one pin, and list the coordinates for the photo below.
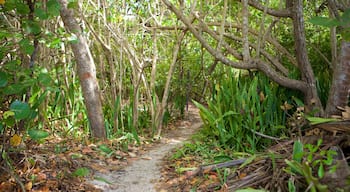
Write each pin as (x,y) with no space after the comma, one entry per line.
(87,150)
(131,154)
(28,186)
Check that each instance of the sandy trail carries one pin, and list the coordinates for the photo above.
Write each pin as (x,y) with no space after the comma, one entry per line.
(143,173)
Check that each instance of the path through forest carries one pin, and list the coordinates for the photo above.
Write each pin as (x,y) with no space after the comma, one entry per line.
(143,173)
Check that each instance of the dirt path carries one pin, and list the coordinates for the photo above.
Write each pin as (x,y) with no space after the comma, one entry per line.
(144,172)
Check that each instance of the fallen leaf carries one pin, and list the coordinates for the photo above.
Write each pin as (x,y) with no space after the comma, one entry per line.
(131,154)
(147,158)
(28,186)
(15,140)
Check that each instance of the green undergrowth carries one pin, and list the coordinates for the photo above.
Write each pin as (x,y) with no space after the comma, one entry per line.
(241,110)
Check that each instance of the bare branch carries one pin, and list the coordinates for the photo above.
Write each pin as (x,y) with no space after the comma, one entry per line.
(217,54)
(273,12)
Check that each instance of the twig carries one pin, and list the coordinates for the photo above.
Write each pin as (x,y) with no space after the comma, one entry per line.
(15,177)
(266,136)
(207,168)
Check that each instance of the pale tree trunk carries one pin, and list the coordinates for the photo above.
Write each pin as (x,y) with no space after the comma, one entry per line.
(340,87)
(339,91)
(161,108)
(86,71)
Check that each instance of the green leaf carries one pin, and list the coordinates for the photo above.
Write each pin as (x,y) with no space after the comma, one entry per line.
(291,185)
(26,46)
(295,166)
(8,114)
(72,4)
(105,148)
(320,171)
(298,151)
(222,158)
(298,102)
(22,8)
(14,89)
(21,110)
(81,172)
(41,14)
(319,120)
(73,39)
(45,79)
(324,21)
(53,7)
(32,27)
(36,134)
(3,79)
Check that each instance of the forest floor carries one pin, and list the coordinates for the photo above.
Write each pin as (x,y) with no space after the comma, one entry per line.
(74,163)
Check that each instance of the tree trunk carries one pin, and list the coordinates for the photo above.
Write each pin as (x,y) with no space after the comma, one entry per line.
(311,99)
(339,91)
(86,71)
(161,108)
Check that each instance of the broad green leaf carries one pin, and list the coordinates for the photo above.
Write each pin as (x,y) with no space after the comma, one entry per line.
(26,46)
(41,14)
(45,79)
(22,8)
(53,7)
(324,21)
(36,134)
(3,79)
(345,19)
(14,89)
(81,172)
(21,109)
(32,27)
(298,151)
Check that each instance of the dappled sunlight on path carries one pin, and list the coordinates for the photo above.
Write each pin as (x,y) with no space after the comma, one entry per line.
(144,172)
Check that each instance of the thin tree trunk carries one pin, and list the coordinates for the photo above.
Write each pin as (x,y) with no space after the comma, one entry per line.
(87,73)
(311,98)
(161,108)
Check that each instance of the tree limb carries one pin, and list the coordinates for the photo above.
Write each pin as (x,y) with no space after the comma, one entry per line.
(270,11)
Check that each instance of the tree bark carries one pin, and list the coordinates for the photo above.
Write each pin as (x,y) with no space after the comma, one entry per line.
(340,87)
(86,71)
(311,98)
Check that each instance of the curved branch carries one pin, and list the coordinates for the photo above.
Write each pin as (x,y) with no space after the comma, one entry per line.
(217,54)
(270,11)
(268,38)
(281,80)
(253,64)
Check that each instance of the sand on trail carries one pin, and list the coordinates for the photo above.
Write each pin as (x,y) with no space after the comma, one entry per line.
(143,173)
